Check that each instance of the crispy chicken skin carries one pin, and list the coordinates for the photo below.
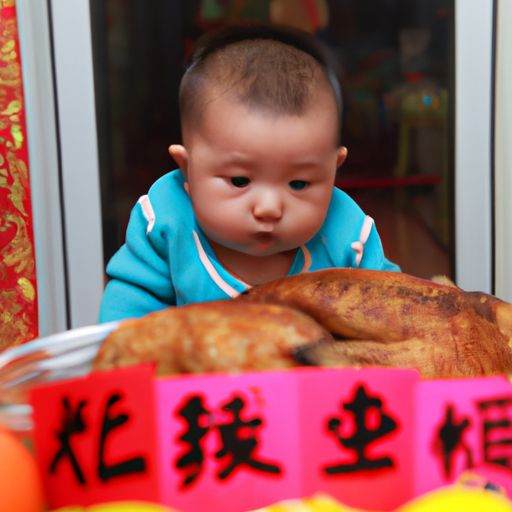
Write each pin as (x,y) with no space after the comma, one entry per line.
(397,320)
(211,337)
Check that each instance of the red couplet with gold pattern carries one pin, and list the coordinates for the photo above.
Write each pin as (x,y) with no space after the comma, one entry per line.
(18,291)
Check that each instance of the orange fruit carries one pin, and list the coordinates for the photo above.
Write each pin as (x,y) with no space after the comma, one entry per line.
(21,488)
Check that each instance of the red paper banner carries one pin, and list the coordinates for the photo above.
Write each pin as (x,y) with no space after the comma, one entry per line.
(18,292)
(97,438)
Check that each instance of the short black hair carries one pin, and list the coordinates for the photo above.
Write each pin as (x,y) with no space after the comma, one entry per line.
(271,66)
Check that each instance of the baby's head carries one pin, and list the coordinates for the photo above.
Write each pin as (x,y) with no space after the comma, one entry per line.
(260,111)
(274,69)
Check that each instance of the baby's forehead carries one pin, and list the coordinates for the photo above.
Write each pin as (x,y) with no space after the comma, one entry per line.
(226,120)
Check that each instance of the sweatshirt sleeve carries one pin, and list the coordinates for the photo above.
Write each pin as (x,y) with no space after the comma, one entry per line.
(139,273)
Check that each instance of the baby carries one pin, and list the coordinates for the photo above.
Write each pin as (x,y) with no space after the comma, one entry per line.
(253,199)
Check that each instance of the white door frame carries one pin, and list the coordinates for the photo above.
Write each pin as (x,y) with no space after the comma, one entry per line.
(473,173)
(72,52)
(503,152)
(38,89)
(64,156)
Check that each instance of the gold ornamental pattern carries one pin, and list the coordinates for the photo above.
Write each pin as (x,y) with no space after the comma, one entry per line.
(18,291)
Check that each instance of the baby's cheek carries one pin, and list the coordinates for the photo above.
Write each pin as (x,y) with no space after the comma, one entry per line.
(222,221)
(310,218)
(312,209)
(301,225)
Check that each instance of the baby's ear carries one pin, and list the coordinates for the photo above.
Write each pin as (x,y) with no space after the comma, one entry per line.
(180,155)
(341,155)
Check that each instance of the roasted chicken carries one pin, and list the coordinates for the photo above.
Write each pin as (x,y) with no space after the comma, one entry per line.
(335,317)
(211,337)
(397,320)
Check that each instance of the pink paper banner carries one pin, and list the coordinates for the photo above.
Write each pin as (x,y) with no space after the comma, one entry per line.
(463,425)
(229,441)
(357,431)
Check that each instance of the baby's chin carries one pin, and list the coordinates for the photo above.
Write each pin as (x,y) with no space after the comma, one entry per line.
(264,250)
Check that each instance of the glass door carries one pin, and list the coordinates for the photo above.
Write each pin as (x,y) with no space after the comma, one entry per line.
(416,78)
(397,73)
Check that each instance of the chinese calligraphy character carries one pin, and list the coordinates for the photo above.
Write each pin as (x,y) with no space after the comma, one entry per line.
(496,439)
(192,412)
(450,439)
(72,423)
(237,437)
(133,465)
(238,447)
(361,407)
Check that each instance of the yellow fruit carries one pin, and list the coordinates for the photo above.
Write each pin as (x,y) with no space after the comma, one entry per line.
(317,503)
(459,499)
(129,507)
(119,506)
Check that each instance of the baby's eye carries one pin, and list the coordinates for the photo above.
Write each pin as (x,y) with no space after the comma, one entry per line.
(298,184)
(240,181)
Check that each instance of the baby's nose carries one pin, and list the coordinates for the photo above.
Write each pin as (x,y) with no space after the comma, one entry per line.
(268,206)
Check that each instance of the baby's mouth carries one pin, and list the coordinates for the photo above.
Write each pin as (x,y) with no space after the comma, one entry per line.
(265,232)
(265,236)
